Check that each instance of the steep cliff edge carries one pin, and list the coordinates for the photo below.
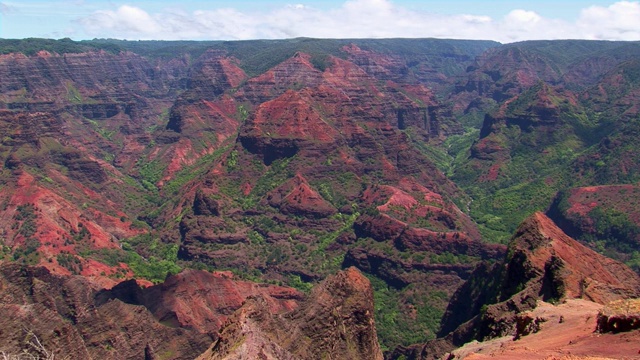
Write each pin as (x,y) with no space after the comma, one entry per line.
(73,316)
(335,322)
(178,319)
(62,313)
(542,264)
(200,300)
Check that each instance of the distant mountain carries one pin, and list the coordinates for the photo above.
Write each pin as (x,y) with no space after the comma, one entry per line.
(549,130)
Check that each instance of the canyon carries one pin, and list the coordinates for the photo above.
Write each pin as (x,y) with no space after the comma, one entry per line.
(303,198)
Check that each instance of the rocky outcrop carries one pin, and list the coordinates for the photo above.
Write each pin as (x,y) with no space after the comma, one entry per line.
(283,126)
(406,238)
(205,204)
(619,316)
(200,300)
(542,263)
(71,315)
(335,322)
(61,311)
(297,197)
(555,331)
(295,73)
(480,289)
(568,269)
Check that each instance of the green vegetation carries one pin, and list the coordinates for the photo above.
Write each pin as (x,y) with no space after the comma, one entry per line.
(147,257)
(437,154)
(634,261)
(613,230)
(184,176)
(73,94)
(615,159)
(394,324)
(529,161)
(26,215)
(347,223)
(28,254)
(70,262)
(243,113)
(295,282)
(150,173)
(24,221)
(232,160)
(152,269)
(451,258)
(277,173)
(32,46)
(97,127)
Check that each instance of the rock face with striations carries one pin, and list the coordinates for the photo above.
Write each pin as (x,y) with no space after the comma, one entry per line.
(545,263)
(542,263)
(200,300)
(551,264)
(71,315)
(61,311)
(311,146)
(335,322)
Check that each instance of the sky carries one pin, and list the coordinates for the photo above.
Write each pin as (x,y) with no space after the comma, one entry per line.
(499,20)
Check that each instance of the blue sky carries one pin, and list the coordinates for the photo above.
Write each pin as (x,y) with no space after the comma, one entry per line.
(504,21)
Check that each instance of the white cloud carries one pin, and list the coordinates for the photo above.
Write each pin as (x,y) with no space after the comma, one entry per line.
(126,21)
(619,21)
(519,17)
(359,19)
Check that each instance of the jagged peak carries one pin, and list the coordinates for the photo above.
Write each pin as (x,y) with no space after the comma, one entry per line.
(537,231)
(543,263)
(297,196)
(300,59)
(541,249)
(350,279)
(539,98)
